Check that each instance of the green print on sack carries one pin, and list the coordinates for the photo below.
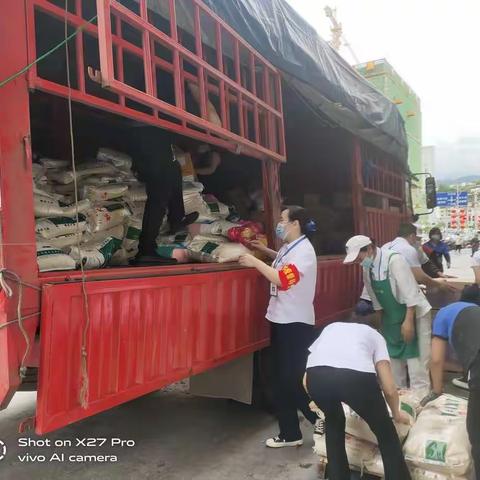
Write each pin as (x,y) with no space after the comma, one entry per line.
(209,247)
(67,220)
(436,451)
(42,253)
(133,233)
(407,409)
(214,207)
(109,247)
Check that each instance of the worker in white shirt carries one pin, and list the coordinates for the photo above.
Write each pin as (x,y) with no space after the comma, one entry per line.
(406,245)
(293,278)
(396,294)
(349,363)
(476,266)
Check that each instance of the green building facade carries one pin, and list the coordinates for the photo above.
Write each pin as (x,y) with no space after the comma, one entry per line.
(383,76)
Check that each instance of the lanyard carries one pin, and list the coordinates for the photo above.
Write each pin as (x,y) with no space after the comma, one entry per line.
(289,249)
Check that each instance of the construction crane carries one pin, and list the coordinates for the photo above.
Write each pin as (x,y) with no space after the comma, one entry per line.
(338,38)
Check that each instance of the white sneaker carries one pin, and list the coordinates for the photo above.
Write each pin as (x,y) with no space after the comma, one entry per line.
(278,442)
(461,382)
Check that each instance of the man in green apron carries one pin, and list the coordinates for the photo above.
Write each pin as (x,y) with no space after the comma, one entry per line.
(395,293)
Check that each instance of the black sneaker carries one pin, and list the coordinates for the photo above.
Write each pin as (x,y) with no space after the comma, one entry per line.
(277,442)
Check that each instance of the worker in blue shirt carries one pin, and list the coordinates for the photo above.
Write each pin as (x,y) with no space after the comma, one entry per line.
(459,325)
(436,249)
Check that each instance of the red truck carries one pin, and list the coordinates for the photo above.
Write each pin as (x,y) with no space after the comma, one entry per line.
(88,342)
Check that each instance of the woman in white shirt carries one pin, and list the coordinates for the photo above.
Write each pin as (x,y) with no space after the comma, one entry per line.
(346,364)
(292,278)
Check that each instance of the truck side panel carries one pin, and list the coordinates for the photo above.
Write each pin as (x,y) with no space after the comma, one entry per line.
(17,229)
(146,333)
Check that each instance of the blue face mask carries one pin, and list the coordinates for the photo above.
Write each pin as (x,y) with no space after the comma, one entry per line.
(367,263)
(280,231)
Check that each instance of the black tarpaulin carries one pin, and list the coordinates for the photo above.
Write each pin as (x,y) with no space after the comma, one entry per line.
(316,71)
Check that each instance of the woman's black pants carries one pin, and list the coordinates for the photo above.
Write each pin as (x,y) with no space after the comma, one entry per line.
(290,344)
(329,387)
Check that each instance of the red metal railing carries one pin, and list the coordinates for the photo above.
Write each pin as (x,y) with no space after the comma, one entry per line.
(382,175)
(378,187)
(225,73)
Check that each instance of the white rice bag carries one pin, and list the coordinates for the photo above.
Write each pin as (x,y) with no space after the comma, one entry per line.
(132,235)
(105,217)
(96,193)
(50,258)
(64,242)
(97,237)
(52,163)
(120,160)
(358,451)
(95,255)
(136,193)
(136,208)
(215,250)
(438,441)
(38,172)
(58,226)
(63,177)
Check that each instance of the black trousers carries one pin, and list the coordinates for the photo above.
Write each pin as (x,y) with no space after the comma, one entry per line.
(164,191)
(290,344)
(473,427)
(329,387)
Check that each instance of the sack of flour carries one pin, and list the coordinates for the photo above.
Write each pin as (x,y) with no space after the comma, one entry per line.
(63,177)
(105,217)
(136,193)
(215,250)
(358,451)
(52,163)
(96,237)
(98,193)
(39,173)
(95,255)
(64,242)
(51,258)
(120,258)
(58,226)
(120,160)
(438,441)
(132,235)
(95,168)
(421,474)
(71,210)
(136,208)
(374,465)
(216,208)
(46,205)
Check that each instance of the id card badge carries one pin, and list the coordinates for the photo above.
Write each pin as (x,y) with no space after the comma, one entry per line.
(273,290)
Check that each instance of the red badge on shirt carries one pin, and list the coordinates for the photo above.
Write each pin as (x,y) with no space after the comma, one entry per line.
(289,276)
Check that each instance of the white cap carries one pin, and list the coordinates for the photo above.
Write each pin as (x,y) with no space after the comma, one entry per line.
(354,245)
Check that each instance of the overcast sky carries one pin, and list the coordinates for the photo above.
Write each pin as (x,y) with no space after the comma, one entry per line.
(433,44)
